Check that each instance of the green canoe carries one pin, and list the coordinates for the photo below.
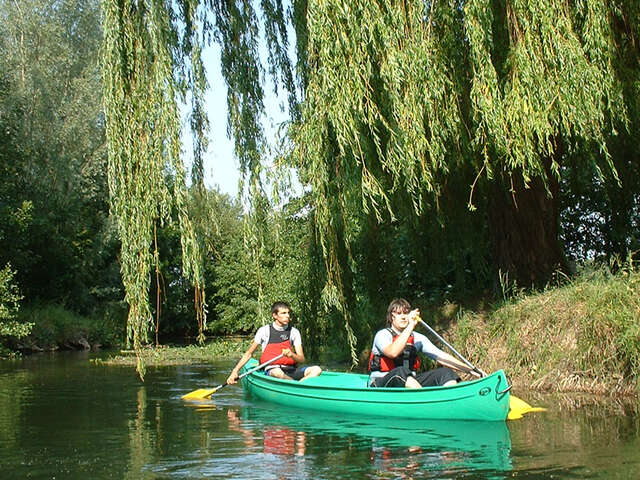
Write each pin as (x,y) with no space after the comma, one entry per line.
(347,393)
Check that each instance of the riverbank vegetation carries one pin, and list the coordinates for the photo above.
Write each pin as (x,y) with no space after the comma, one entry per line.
(498,204)
(582,335)
(228,347)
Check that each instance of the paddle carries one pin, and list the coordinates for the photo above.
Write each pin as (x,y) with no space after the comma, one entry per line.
(517,406)
(207,392)
(467,362)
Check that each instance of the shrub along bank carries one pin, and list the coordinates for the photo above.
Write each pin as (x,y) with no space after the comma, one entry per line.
(53,327)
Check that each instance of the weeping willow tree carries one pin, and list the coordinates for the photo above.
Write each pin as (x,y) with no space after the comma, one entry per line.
(145,61)
(404,98)
(405,106)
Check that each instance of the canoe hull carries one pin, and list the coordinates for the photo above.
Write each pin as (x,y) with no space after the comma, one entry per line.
(347,393)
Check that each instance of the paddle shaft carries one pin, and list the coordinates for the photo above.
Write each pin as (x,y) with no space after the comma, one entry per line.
(205,393)
(258,367)
(517,407)
(467,362)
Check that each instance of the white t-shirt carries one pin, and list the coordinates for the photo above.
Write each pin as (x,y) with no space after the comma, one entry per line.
(262,335)
(384,338)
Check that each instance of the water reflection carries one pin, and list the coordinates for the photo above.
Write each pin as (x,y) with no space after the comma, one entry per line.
(276,439)
(61,417)
(140,437)
(13,390)
(377,447)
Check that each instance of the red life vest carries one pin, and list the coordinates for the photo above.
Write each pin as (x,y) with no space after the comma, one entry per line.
(278,340)
(408,358)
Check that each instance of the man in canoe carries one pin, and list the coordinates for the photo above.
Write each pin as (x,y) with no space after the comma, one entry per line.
(278,338)
(394,358)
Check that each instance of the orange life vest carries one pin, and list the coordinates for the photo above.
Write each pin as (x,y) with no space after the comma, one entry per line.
(408,358)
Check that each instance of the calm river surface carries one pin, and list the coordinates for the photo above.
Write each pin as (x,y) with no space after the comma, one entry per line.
(62,416)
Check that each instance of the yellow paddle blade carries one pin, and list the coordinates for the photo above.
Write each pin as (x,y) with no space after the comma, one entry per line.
(199,394)
(518,408)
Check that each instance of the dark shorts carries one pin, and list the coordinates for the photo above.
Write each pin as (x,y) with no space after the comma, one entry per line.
(432,378)
(294,372)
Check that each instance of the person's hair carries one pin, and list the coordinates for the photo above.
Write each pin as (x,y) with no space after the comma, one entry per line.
(278,305)
(397,305)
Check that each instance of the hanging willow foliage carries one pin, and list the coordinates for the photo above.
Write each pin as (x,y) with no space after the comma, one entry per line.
(400,93)
(152,60)
(397,97)
(557,80)
(387,69)
(142,84)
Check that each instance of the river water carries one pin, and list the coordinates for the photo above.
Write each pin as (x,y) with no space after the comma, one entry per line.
(62,416)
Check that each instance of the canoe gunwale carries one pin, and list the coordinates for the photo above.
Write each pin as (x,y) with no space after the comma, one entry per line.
(399,391)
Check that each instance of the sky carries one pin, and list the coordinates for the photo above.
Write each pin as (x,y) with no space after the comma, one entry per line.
(220,166)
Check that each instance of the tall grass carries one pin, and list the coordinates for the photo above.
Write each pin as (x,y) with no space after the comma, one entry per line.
(581,336)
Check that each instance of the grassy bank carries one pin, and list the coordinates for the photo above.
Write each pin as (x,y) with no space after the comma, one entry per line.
(583,336)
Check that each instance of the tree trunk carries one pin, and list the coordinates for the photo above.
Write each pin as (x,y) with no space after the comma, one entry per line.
(523,229)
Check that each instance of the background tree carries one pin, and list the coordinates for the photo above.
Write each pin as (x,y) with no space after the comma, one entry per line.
(53,190)
(9,304)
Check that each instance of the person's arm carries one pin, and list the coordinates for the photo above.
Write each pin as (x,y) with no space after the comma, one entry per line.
(233,376)
(396,347)
(298,355)
(450,361)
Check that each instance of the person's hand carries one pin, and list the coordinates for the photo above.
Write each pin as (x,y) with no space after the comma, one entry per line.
(414,317)
(287,352)
(233,378)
